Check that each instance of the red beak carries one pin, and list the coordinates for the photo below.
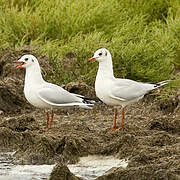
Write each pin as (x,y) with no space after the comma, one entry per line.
(19,66)
(92,59)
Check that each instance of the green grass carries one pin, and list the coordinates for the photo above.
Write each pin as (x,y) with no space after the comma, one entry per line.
(142,36)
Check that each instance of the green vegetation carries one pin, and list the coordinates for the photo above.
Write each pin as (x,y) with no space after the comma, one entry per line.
(142,36)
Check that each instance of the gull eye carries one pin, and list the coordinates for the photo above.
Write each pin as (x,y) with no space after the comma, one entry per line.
(26,59)
(100,54)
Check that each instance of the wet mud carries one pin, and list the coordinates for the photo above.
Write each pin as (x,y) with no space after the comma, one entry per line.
(149,139)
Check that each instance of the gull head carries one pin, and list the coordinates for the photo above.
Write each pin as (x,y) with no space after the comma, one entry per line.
(101,55)
(26,61)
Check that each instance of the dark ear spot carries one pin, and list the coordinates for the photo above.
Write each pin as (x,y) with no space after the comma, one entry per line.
(32,60)
(105,53)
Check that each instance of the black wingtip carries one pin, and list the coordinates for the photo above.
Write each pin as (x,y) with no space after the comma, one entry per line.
(88,101)
(162,83)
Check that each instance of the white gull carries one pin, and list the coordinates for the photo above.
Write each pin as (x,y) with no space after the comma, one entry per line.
(46,95)
(117,91)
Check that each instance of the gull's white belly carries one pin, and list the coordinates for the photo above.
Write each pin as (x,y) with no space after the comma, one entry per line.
(108,100)
(34,99)
(104,94)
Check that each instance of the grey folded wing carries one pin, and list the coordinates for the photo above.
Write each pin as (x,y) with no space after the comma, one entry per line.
(126,90)
(58,97)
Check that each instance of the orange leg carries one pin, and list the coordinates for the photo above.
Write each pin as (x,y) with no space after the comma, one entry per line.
(122,118)
(115,119)
(52,118)
(47,121)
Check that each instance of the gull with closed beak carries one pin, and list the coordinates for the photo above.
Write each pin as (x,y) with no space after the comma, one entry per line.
(117,91)
(46,95)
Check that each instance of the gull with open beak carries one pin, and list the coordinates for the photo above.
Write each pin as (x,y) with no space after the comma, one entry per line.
(116,91)
(46,95)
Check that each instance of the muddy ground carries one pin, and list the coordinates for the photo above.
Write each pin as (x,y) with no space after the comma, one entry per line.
(149,140)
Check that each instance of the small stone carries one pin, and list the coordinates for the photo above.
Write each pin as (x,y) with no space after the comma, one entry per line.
(1,112)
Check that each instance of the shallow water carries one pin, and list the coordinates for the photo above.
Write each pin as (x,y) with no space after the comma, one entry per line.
(10,171)
(89,168)
(6,163)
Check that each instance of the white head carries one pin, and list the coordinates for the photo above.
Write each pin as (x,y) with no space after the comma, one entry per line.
(101,55)
(27,61)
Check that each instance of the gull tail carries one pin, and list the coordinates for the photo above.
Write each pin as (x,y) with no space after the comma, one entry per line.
(87,106)
(159,84)
(88,103)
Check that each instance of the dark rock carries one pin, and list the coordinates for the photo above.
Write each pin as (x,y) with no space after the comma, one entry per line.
(168,105)
(162,171)
(81,88)
(171,125)
(9,139)
(20,124)
(10,102)
(61,172)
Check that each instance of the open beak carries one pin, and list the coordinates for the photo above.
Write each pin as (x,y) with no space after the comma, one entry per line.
(20,65)
(92,59)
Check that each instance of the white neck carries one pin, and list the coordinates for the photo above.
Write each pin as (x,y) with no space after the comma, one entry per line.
(106,68)
(33,75)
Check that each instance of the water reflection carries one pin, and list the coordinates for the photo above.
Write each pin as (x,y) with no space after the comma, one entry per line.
(10,171)
(91,167)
